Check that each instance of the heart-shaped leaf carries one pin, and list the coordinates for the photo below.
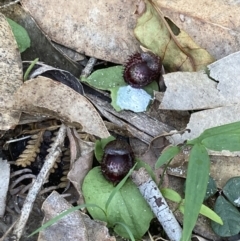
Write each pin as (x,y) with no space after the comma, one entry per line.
(127,206)
(230,216)
(232,191)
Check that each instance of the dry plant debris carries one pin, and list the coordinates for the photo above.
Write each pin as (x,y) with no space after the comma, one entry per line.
(105,30)
(43,95)
(212,24)
(11,75)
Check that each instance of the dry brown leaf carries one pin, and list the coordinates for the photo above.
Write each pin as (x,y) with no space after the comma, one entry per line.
(102,29)
(81,167)
(222,168)
(10,74)
(214,25)
(74,226)
(175,47)
(47,97)
(193,91)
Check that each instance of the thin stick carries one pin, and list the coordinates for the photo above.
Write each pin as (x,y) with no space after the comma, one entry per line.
(10,4)
(41,178)
(3,238)
(89,67)
(157,203)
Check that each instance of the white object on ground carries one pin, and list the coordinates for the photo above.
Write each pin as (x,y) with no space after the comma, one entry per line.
(157,203)
(129,98)
(4,180)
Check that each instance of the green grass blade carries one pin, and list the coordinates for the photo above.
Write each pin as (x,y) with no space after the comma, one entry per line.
(117,188)
(209,213)
(29,69)
(205,211)
(167,155)
(196,185)
(127,229)
(55,219)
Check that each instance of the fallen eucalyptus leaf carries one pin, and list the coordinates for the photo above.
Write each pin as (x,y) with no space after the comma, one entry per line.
(74,226)
(198,91)
(11,75)
(222,167)
(212,24)
(177,50)
(111,23)
(47,97)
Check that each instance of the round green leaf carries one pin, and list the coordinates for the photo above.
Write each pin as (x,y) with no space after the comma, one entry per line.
(211,188)
(232,191)
(127,206)
(230,217)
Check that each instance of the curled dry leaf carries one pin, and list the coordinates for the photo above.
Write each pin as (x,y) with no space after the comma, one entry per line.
(222,168)
(212,24)
(176,48)
(47,97)
(11,75)
(74,226)
(101,29)
(81,165)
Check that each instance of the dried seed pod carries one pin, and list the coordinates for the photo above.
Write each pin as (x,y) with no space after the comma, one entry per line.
(141,69)
(117,160)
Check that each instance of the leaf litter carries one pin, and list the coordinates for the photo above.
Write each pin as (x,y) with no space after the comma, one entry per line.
(188,61)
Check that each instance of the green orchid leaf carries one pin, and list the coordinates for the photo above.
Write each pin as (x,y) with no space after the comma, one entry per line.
(230,217)
(127,205)
(211,188)
(232,191)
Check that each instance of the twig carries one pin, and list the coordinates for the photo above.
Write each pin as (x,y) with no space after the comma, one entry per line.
(3,238)
(89,67)
(10,4)
(157,203)
(41,178)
